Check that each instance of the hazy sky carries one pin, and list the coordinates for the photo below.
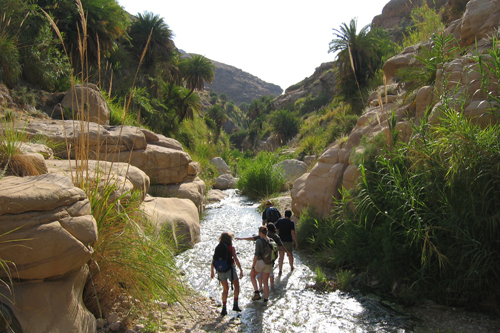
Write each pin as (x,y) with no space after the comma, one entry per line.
(279,41)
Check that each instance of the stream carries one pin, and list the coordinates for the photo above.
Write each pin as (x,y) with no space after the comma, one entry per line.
(292,307)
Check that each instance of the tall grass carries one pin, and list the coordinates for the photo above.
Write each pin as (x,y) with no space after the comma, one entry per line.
(130,259)
(258,179)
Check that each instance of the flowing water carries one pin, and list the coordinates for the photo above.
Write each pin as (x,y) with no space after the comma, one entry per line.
(292,307)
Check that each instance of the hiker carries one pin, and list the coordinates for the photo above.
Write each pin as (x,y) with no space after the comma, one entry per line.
(261,263)
(271,233)
(270,214)
(286,231)
(223,261)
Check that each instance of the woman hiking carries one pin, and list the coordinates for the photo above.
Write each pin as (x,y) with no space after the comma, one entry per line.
(223,261)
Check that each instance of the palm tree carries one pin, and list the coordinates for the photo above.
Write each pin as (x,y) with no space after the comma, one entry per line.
(196,70)
(217,114)
(360,54)
(161,47)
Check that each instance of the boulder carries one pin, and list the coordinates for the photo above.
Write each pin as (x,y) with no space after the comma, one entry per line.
(100,140)
(192,190)
(214,196)
(125,178)
(402,60)
(53,305)
(162,165)
(292,169)
(225,181)
(480,20)
(88,97)
(221,165)
(50,225)
(37,148)
(174,216)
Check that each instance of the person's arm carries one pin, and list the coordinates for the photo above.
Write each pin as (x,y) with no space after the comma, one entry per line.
(212,274)
(237,262)
(244,238)
(294,235)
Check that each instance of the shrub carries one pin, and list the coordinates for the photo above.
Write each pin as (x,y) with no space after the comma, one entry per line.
(258,178)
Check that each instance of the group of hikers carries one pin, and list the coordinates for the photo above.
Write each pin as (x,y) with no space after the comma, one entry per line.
(276,234)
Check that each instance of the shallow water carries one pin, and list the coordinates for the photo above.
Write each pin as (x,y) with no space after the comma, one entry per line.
(292,307)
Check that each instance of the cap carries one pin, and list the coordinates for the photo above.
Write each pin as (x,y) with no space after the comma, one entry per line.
(269,202)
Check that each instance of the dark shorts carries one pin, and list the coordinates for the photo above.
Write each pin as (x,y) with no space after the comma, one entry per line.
(225,276)
(288,246)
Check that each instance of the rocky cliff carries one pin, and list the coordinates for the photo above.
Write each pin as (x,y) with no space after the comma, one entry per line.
(240,86)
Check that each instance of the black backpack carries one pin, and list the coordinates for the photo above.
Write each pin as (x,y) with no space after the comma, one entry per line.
(222,258)
(272,214)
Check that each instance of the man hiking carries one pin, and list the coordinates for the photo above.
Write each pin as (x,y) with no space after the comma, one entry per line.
(286,231)
(270,214)
(223,261)
(271,233)
(259,265)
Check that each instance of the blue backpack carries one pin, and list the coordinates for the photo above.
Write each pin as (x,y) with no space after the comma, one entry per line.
(272,214)
(222,258)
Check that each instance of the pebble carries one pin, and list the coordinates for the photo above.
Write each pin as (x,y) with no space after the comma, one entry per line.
(113,318)
(115,327)
(101,322)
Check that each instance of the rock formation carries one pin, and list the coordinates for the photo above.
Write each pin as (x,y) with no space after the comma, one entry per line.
(240,86)
(337,169)
(47,223)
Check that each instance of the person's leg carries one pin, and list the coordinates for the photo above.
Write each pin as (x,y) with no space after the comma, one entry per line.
(290,260)
(280,262)
(265,280)
(259,280)
(236,284)
(271,279)
(253,275)
(225,291)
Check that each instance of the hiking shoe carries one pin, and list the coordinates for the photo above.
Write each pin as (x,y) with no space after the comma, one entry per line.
(236,308)
(280,273)
(224,311)
(256,296)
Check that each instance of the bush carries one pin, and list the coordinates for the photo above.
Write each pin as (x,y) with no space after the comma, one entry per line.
(258,179)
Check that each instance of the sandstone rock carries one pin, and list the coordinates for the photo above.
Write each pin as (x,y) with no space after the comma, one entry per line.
(221,165)
(215,196)
(123,176)
(320,186)
(53,305)
(402,60)
(225,181)
(162,165)
(163,141)
(192,190)
(292,169)
(50,223)
(310,159)
(88,97)
(101,140)
(177,216)
(37,148)
(480,19)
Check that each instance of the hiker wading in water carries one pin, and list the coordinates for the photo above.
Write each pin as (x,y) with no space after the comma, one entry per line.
(228,255)
(260,266)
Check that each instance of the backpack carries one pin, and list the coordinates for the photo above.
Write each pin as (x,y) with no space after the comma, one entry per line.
(272,214)
(222,258)
(270,251)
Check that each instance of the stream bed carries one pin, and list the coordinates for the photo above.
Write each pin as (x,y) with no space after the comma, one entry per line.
(292,307)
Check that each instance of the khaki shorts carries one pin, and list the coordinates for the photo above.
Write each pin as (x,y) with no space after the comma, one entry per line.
(225,276)
(288,246)
(261,266)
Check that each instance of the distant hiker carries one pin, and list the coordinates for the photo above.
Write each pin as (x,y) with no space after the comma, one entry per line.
(270,214)
(286,231)
(223,262)
(271,233)
(262,262)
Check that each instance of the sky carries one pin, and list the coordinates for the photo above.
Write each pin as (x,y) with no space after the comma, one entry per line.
(279,41)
